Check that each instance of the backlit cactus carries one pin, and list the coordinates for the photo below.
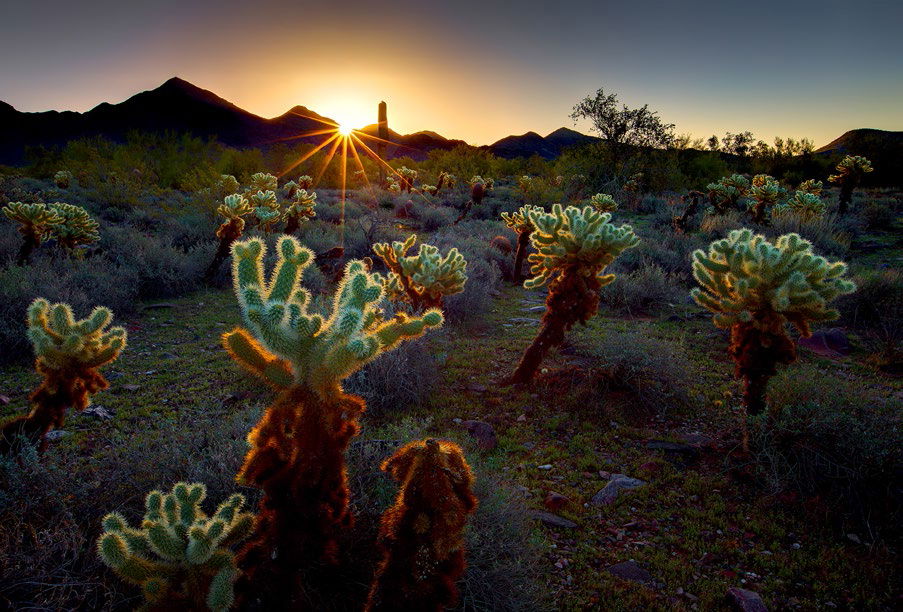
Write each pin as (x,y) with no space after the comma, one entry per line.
(811,186)
(68,354)
(77,228)
(755,288)
(429,189)
(62,179)
(263,181)
(574,246)
(850,172)
(233,210)
(297,448)
(519,222)
(805,205)
(266,209)
(36,222)
(422,534)
(228,184)
(726,193)
(305,182)
(603,203)
(301,208)
(290,189)
(681,222)
(765,192)
(406,178)
(445,180)
(179,556)
(424,279)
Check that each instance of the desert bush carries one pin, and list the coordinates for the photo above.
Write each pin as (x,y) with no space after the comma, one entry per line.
(648,289)
(396,381)
(159,268)
(483,278)
(720,225)
(433,218)
(877,216)
(822,231)
(876,311)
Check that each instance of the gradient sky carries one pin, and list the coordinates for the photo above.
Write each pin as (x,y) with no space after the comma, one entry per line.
(476,70)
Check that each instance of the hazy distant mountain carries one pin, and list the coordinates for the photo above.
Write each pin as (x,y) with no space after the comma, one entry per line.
(531,143)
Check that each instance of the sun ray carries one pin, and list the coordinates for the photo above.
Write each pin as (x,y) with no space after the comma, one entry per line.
(395,172)
(329,156)
(308,155)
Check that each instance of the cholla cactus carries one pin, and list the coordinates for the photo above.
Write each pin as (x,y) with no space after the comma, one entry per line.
(765,192)
(519,221)
(805,205)
(233,210)
(850,172)
(77,228)
(755,288)
(726,193)
(36,222)
(179,556)
(574,247)
(297,448)
(62,179)
(489,184)
(632,187)
(228,184)
(421,280)
(301,208)
(430,189)
(394,187)
(524,182)
(266,209)
(603,203)
(478,191)
(263,181)
(291,189)
(811,186)
(422,534)
(305,182)
(406,178)
(68,354)
(445,180)
(681,222)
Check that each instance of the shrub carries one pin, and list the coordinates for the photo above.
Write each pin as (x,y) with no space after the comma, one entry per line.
(649,289)
(402,379)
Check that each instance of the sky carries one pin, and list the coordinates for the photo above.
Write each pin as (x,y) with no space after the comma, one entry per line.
(476,70)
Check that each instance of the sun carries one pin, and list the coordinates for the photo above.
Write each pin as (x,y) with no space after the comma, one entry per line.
(345,128)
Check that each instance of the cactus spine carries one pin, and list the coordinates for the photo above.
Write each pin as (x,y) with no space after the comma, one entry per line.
(574,246)
(421,280)
(68,354)
(850,172)
(755,288)
(519,221)
(180,557)
(297,448)
(266,209)
(422,534)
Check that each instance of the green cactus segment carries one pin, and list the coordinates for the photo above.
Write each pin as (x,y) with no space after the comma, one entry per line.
(851,167)
(765,190)
(63,344)
(234,206)
(179,556)
(62,179)
(747,279)
(603,203)
(266,209)
(262,181)
(728,191)
(573,237)
(287,344)
(422,279)
(228,184)
(805,204)
(305,181)
(519,220)
(302,207)
(76,226)
(36,221)
(811,186)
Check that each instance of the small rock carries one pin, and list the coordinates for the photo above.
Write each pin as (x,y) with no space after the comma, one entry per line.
(483,433)
(131,388)
(831,340)
(553,520)
(169,356)
(522,418)
(547,466)
(745,600)
(99,412)
(852,537)
(56,434)
(630,570)
(4,400)
(610,492)
(529,445)
(555,501)
(673,447)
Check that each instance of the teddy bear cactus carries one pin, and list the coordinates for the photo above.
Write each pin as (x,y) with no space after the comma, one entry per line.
(755,288)
(62,179)
(811,186)
(424,279)
(574,246)
(519,222)
(422,534)
(305,182)
(765,192)
(263,181)
(266,209)
(850,172)
(726,193)
(36,222)
(445,180)
(76,227)
(297,447)
(406,178)
(805,205)
(603,203)
(301,208)
(179,556)
(233,210)
(68,354)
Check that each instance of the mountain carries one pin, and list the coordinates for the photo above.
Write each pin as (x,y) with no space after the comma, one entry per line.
(531,143)
(179,106)
(883,148)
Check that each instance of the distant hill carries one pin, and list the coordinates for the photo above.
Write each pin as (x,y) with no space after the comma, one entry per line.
(531,143)
(883,148)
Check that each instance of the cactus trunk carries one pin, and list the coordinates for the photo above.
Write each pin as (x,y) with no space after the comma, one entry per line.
(230,234)
(298,459)
(757,354)
(572,298)
(523,241)
(29,244)
(846,196)
(292,225)
(383,133)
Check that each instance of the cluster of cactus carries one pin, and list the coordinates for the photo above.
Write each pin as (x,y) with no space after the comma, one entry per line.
(70,225)
(422,534)
(632,187)
(179,556)
(62,179)
(804,204)
(68,354)
(755,288)
(603,203)
(299,209)
(297,448)
(446,179)
(429,189)
(262,181)
(406,177)
(726,193)
(519,222)
(424,279)
(486,182)
(850,172)
(266,209)
(574,246)
(765,193)
(305,182)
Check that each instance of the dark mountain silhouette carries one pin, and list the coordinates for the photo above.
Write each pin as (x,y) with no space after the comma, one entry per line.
(883,148)
(531,143)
